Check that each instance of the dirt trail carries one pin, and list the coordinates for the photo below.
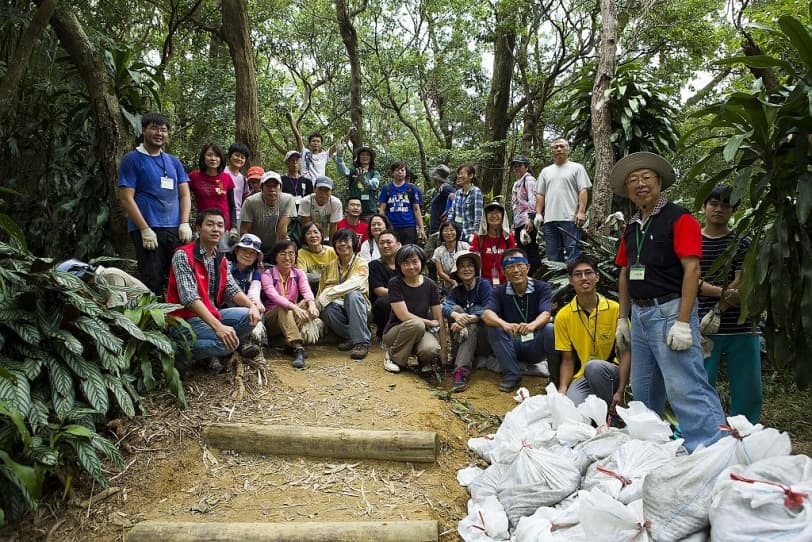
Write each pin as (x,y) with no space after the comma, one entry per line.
(170,475)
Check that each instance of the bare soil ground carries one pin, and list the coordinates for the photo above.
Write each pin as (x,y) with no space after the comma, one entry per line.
(171,475)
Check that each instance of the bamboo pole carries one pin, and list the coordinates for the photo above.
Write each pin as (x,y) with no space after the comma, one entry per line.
(415,446)
(334,531)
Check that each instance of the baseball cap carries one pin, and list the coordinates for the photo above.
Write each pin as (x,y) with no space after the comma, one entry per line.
(292,153)
(270,176)
(521,159)
(255,172)
(323,182)
(440,173)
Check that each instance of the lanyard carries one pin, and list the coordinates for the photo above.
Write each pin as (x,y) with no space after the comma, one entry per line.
(594,334)
(640,236)
(163,164)
(523,313)
(349,266)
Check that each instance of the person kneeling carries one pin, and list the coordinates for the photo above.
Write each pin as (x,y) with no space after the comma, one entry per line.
(518,319)
(284,287)
(585,336)
(197,271)
(463,309)
(416,315)
(343,295)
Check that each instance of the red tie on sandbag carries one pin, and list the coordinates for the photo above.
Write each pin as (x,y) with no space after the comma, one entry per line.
(620,478)
(792,499)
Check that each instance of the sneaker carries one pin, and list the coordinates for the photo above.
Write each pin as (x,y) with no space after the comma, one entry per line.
(359,351)
(345,346)
(299,359)
(460,380)
(544,368)
(507,386)
(250,350)
(390,365)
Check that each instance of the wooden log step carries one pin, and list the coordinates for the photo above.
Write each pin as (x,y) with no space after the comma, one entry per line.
(316,531)
(415,446)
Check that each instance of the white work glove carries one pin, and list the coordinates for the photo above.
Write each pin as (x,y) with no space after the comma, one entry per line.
(524,237)
(149,239)
(538,222)
(312,330)
(233,237)
(710,322)
(258,333)
(623,335)
(185,232)
(707,346)
(679,336)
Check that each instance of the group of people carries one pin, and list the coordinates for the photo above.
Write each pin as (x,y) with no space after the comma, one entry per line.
(297,256)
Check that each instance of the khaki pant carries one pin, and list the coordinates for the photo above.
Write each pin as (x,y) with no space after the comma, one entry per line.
(409,338)
(475,345)
(280,321)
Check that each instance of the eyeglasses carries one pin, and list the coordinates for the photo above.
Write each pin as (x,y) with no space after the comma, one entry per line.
(583,274)
(159,129)
(287,254)
(645,179)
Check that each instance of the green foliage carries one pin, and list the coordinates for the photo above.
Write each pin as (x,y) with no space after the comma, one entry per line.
(642,115)
(66,362)
(763,140)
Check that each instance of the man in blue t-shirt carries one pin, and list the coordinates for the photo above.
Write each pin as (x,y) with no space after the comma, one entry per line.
(400,202)
(154,192)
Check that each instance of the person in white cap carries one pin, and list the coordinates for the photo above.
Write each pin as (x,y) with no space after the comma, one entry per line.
(322,207)
(268,213)
(659,258)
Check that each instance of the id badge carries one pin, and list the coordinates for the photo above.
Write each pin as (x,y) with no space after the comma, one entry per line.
(637,272)
(458,219)
(167,183)
(527,337)
(364,197)
(495,281)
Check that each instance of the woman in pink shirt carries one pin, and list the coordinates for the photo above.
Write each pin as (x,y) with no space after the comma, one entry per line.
(214,189)
(288,300)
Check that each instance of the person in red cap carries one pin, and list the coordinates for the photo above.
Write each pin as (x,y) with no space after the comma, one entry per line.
(253,177)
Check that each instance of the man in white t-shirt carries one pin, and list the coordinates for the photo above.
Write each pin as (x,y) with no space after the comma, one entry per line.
(562,191)
(314,157)
(322,207)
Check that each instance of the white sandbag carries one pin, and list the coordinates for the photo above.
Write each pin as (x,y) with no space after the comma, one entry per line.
(522,394)
(468,474)
(508,443)
(571,434)
(643,423)
(531,410)
(595,409)
(486,521)
(482,446)
(562,409)
(621,474)
(559,524)
(601,445)
(485,484)
(677,496)
(537,477)
(606,520)
(743,511)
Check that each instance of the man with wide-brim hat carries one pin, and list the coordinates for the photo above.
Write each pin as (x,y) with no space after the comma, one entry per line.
(659,258)
(462,309)
(363,179)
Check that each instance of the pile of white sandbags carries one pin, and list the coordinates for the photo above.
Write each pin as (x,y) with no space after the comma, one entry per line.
(559,473)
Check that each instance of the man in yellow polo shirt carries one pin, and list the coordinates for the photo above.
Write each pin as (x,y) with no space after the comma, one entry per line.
(585,336)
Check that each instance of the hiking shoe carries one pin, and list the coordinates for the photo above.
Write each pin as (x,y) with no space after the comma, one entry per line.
(359,351)
(299,359)
(291,350)
(345,346)
(250,350)
(460,380)
(508,386)
(390,365)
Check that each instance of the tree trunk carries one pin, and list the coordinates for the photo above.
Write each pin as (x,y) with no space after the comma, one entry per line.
(112,132)
(350,38)
(497,121)
(22,53)
(602,118)
(237,35)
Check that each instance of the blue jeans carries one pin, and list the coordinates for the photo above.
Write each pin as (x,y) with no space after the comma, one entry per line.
(556,241)
(350,320)
(742,353)
(208,344)
(659,373)
(511,350)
